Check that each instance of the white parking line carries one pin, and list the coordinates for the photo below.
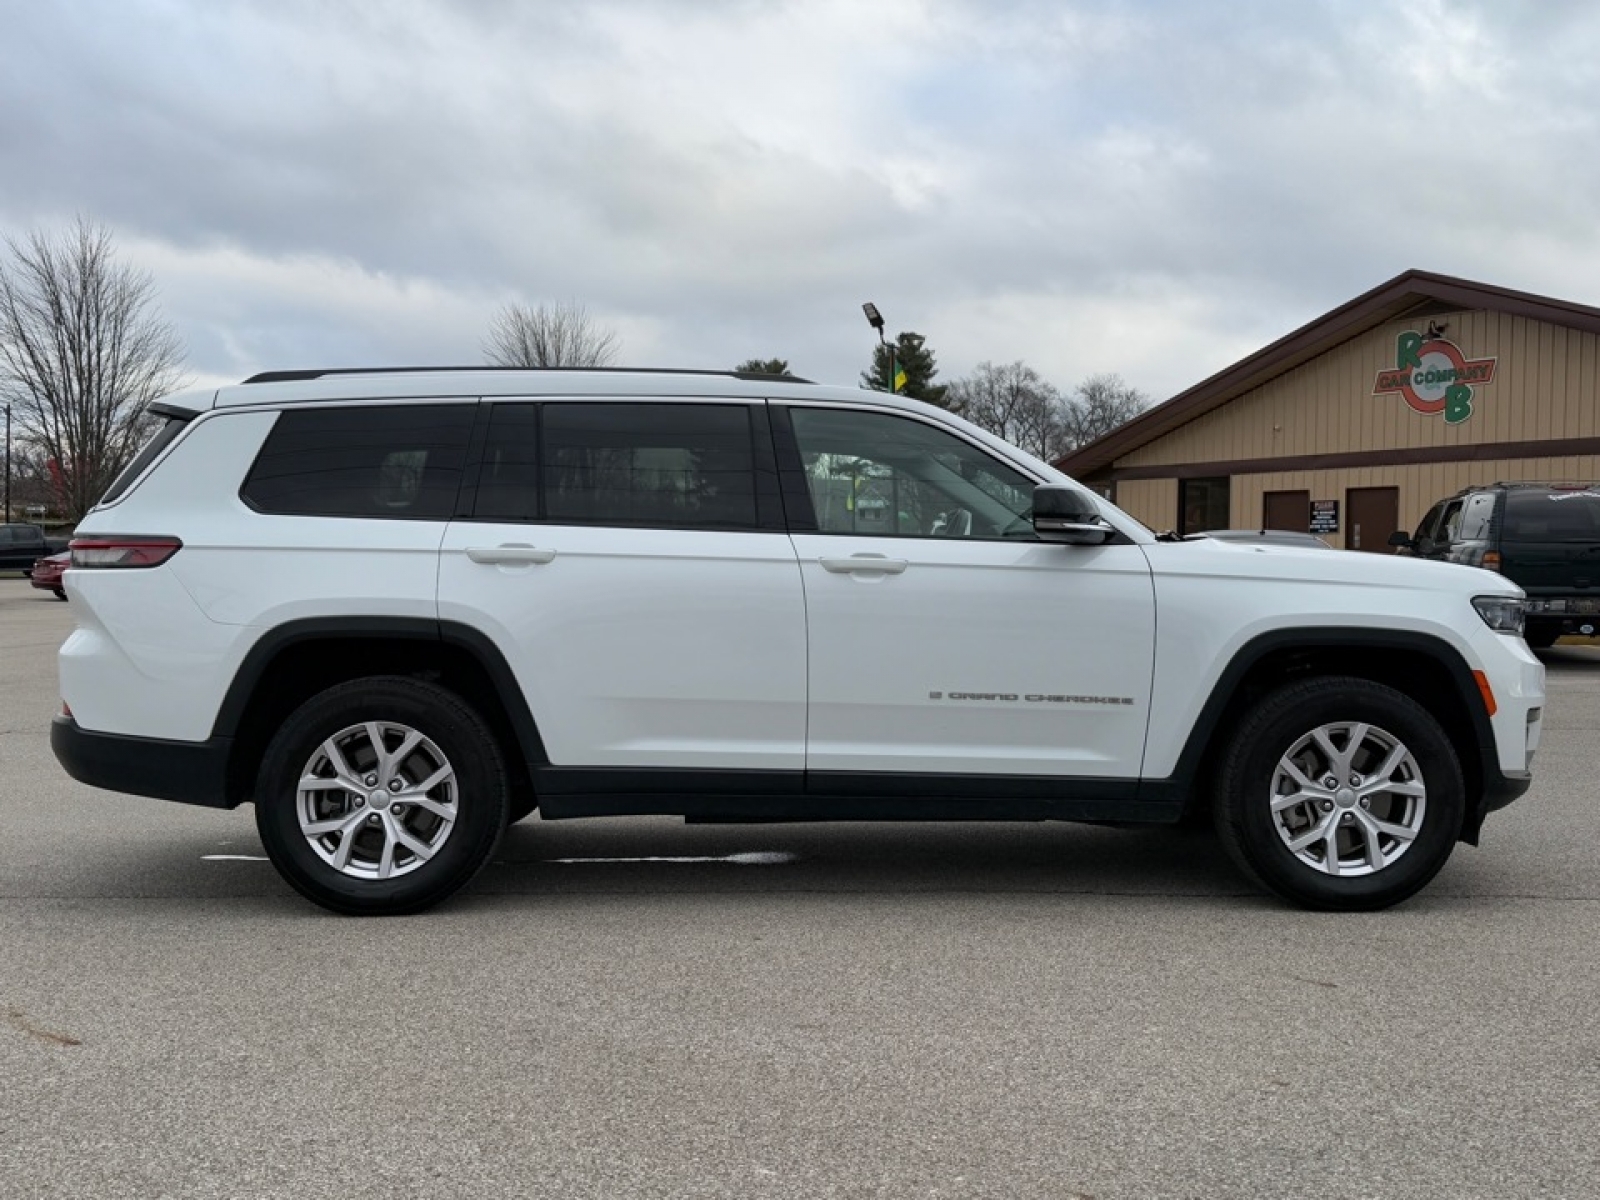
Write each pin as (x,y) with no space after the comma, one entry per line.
(754,858)
(233,858)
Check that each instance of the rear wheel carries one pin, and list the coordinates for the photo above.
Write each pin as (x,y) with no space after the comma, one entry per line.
(381,795)
(1340,793)
(1541,637)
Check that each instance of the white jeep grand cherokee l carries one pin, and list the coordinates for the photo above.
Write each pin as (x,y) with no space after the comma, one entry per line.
(397,610)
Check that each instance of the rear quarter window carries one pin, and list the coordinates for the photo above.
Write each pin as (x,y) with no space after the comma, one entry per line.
(159,441)
(400,462)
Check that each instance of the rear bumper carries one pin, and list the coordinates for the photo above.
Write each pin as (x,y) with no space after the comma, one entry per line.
(187,772)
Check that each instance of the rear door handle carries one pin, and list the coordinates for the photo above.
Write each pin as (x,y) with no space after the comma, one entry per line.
(511,552)
(864,564)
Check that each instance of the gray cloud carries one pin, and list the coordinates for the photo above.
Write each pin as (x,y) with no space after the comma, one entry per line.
(1151,189)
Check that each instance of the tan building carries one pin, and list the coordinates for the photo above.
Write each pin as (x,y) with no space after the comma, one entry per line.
(1356,424)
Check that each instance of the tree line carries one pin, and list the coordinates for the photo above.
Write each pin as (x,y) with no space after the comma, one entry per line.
(84,352)
(1010,400)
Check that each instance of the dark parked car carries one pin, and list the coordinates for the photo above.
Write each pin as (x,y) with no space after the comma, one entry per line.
(47,573)
(1543,536)
(23,545)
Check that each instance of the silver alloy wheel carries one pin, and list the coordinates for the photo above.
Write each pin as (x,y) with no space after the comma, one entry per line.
(1348,799)
(377,800)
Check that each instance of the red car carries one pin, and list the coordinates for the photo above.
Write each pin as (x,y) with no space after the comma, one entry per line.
(47,573)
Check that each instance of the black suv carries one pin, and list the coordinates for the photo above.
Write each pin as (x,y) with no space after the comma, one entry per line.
(23,545)
(1543,536)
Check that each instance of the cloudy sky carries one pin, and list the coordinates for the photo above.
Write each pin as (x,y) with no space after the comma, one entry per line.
(1149,188)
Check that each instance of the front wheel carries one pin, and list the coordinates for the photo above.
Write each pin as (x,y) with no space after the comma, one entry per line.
(1340,793)
(382,795)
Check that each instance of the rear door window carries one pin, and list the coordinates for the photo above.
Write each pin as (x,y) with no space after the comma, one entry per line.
(677,466)
(1449,529)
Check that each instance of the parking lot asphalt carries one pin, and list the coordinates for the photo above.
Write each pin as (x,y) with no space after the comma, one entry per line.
(616,1009)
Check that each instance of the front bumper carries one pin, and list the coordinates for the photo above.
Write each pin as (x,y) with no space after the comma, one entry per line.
(187,772)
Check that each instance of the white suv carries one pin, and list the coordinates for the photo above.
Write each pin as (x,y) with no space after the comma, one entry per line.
(397,610)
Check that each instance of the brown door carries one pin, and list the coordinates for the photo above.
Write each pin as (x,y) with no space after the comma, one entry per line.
(1286,510)
(1370,516)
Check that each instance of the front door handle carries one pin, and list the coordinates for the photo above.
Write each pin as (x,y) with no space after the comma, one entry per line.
(510,553)
(864,564)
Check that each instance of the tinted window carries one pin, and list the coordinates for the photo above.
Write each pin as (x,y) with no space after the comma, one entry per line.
(1449,523)
(872,473)
(1477,516)
(508,485)
(649,464)
(1553,516)
(400,461)
(1430,522)
(159,441)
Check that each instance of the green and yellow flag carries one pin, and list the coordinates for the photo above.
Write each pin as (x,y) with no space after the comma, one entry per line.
(899,376)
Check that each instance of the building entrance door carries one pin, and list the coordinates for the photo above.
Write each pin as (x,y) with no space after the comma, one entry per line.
(1371,515)
(1286,510)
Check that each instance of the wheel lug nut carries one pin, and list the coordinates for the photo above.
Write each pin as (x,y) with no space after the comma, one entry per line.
(395,808)
(396,785)
(374,819)
(1346,819)
(361,801)
(1327,806)
(1330,781)
(1355,781)
(1366,802)
(371,780)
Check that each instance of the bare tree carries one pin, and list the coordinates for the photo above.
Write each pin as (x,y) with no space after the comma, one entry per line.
(560,335)
(1013,402)
(82,355)
(1098,405)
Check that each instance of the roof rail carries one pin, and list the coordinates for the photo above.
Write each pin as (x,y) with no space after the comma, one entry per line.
(321,372)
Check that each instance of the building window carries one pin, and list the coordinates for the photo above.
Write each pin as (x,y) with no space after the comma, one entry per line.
(1202,504)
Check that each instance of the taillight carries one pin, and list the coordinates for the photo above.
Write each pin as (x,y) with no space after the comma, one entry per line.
(113,551)
(1491,560)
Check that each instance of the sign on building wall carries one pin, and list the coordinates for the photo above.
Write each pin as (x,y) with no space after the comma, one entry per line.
(1434,376)
(1324,516)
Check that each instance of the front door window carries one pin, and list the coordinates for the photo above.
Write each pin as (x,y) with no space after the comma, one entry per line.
(874,474)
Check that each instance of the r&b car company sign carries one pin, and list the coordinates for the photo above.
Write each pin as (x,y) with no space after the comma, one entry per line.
(1434,376)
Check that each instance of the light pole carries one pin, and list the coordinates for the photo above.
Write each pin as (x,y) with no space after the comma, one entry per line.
(7,517)
(875,319)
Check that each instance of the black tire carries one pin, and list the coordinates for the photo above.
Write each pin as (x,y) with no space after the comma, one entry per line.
(1258,840)
(61,593)
(1541,637)
(476,794)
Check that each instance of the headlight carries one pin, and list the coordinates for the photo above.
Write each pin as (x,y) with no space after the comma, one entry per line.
(1501,613)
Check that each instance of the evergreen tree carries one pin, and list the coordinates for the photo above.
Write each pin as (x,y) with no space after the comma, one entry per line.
(911,358)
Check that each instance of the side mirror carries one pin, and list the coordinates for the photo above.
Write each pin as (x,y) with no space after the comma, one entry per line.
(1066,515)
(1401,538)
